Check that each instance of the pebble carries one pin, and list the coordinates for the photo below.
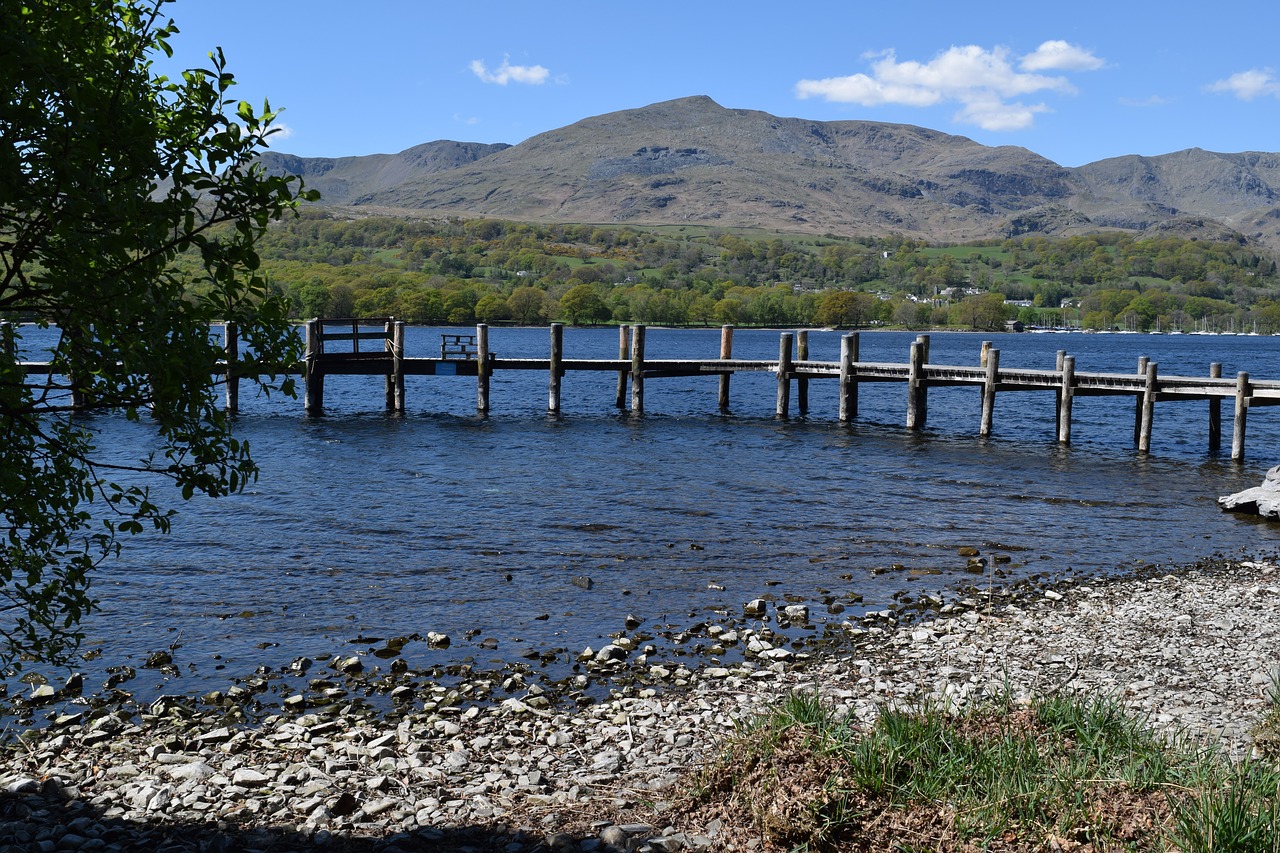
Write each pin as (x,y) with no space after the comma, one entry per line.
(1193,651)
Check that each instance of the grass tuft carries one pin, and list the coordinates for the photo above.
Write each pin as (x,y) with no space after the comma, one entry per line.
(1066,773)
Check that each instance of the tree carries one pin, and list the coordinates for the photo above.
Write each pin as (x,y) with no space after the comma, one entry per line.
(845,308)
(583,304)
(525,305)
(130,204)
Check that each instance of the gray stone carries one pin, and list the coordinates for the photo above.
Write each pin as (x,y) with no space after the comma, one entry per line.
(1263,500)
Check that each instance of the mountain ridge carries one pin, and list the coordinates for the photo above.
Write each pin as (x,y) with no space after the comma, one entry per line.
(692,161)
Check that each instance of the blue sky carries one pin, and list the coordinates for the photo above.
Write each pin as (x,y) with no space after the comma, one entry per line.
(1075,82)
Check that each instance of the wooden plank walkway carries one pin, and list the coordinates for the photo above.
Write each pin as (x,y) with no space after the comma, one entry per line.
(470,356)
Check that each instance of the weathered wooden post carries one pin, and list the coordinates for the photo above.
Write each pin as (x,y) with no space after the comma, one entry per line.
(1057,398)
(388,346)
(231,354)
(1242,413)
(483,368)
(313,376)
(848,377)
(1148,408)
(990,360)
(922,385)
(915,367)
(1143,361)
(397,365)
(79,399)
(726,353)
(802,384)
(637,370)
(1066,394)
(982,353)
(624,353)
(557,368)
(1215,412)
(784,375)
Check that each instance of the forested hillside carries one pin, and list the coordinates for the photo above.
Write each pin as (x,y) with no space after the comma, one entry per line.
(463,271)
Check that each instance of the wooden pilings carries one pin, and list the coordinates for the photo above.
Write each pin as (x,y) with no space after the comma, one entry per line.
(917,387)
(990,359)
(1148,409)
(802,384)
(726,353)
(313,377)
(1137,405)
(1242,413)
(848,377)
(624,353)
(784,375)
(231,346)
(557,367)
(467,356)
(394,345)
(637,370)
(1066,396)
(1215,412)
(484,368)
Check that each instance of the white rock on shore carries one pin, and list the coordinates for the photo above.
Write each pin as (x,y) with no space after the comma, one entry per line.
(1263,500)
(1195,652)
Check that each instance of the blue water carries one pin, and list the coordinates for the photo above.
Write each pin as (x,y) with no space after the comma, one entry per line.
(366,525)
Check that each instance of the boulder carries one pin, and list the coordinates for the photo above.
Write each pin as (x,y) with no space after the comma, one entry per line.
(1263,500)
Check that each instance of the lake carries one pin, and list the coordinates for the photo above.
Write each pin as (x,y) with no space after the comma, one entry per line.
(366,525)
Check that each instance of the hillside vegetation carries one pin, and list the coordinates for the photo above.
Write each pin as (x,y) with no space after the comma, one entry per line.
(463,271)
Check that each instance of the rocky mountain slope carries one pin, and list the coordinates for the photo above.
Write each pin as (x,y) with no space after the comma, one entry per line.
(691,161)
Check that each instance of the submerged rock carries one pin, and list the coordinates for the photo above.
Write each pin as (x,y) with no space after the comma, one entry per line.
(1263,500)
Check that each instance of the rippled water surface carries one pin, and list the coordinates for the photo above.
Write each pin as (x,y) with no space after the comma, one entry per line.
(365,525)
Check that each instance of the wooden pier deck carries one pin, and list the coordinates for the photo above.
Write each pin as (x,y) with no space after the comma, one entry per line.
(793,366)
(384,355)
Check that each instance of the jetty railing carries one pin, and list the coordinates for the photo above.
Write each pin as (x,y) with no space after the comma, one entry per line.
(334,347)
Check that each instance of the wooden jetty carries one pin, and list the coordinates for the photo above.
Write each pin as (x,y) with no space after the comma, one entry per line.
(471,356)
(377,348)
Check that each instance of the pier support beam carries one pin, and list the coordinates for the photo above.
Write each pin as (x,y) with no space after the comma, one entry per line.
(726,353)
(637,370)
(483,368)
(802,384)
(396,380)
(1148,408)
(313,392)
(557,367)
(624,353)
(917,398)
(388,346)
(1143,361)
(784,375)
(991,361)
(1066,395)
(1242,413)
(848,377)
(231,347)
(1215,412)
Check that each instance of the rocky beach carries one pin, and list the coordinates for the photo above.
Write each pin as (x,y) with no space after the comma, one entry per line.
(1193,650)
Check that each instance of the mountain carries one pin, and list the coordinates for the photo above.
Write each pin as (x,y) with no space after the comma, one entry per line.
(692,161)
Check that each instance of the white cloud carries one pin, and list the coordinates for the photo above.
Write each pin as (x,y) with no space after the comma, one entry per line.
(1058,55)
(1149,101)
(534,75)
(1248,85)
(277,133)
(984,83)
